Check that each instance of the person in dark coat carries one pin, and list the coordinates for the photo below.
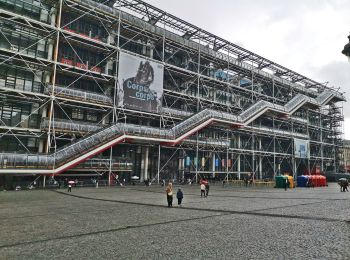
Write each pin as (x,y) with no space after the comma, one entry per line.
(346,184)
(207,189)
(179,196)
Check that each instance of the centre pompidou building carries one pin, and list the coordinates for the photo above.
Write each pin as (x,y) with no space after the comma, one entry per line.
(124,88)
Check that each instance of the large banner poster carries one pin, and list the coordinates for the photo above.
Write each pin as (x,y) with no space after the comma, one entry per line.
(140,83)
(301,148)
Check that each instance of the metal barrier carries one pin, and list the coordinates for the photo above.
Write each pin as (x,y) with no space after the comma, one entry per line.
(80,94)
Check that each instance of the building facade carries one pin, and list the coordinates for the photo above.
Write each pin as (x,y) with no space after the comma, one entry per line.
(346,154)
(123,88)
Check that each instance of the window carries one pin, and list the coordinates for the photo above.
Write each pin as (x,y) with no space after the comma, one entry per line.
(91,116)
(77,114)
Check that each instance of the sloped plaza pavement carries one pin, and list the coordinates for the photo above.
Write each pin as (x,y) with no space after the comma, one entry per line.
(133,222)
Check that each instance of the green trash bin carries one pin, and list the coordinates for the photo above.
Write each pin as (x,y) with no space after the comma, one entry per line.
(280,181)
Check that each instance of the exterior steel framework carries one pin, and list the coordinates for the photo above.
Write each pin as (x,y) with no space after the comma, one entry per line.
(226,112)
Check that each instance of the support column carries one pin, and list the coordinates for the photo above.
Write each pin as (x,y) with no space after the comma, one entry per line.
(150,45)
(213,165)
(144,164)
(294,168)
(109,63)
(53,16)
(158,174)
(260,160)
(279,167)
(239,157)
(196,160)
(55,21)
(260,168)
(50,49)
(253,157)
(274,150)
(110,165)
(42,141)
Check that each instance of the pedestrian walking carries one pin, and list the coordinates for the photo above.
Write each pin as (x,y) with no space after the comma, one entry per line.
(179,196)
(207,189)
(202,190)
(169,194)
(69,187)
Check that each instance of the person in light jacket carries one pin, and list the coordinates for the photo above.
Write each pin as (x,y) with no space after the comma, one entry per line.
(202,190)
(169,194)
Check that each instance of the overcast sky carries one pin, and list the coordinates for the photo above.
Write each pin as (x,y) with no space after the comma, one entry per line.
(303,35)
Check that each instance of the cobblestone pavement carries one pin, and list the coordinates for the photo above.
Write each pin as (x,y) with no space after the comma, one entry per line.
(133,223)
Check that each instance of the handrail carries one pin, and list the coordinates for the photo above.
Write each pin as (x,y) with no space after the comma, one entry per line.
(68,156)
(81,94)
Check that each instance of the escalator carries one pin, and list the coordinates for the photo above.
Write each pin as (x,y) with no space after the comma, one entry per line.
(87,147)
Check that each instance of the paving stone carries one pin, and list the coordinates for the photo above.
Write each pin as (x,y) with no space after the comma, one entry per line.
(134,223)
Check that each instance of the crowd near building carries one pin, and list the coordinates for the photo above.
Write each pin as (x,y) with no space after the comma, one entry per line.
(121,88)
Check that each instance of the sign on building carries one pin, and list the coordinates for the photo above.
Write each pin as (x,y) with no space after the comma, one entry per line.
(301,148)
(140,83)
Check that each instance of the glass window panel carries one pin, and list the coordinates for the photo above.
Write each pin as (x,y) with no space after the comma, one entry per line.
(28,85)
(19,83)
(77,114)
(2,82)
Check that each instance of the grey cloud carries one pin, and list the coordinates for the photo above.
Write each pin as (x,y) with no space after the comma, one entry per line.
(338,75)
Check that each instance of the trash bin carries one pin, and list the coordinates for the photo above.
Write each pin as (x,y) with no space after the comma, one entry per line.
(302,180)
(280,181)
(291,181)
(323,180)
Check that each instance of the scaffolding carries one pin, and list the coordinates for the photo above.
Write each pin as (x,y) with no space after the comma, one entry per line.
(225,112)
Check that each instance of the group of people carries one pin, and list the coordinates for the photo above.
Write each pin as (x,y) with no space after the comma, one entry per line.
(169,195)
(204,185)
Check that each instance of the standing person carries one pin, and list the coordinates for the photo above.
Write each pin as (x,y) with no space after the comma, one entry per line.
(286,184)
(207,188)
(179,196)
(202,190)
(246,181)
(169,194)
(346,184)
(69,187)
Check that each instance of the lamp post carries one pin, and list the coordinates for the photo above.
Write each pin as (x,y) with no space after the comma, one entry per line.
(346,50)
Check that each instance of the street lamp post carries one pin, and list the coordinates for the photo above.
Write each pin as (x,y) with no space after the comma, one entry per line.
(346,50)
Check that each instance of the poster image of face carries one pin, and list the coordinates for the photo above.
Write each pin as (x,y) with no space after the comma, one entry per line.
(140,83)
